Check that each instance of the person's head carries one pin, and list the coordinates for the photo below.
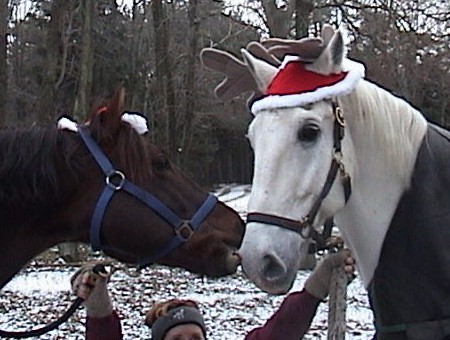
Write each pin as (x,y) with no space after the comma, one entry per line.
(176,320)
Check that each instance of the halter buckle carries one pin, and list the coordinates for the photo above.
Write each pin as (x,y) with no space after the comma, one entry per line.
(115,180)
(184,230)
(339,116)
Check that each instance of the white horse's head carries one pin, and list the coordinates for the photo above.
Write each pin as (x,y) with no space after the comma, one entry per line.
(299,173)
(301,177)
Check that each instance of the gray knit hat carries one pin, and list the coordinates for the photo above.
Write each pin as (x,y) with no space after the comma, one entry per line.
(174,317)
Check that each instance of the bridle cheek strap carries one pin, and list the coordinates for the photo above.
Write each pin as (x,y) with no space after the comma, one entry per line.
(115,182)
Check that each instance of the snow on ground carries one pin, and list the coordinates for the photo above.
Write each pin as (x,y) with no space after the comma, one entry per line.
(232,306)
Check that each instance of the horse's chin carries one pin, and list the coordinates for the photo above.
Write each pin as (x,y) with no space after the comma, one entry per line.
(232,262)
(277,286)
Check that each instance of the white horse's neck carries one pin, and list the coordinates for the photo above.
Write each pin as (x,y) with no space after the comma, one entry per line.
(386,133)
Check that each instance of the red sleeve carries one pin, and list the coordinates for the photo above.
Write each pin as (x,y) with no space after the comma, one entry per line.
(107,328)
(290,321)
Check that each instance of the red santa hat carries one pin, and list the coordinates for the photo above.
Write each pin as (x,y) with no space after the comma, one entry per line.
(295,85)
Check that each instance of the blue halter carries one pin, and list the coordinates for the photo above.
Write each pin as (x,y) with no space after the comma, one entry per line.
(115,181)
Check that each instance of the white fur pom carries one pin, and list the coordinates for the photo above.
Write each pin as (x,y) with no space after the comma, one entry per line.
(65,123)
(137,122)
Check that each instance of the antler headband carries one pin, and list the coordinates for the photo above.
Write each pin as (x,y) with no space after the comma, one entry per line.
(293,84)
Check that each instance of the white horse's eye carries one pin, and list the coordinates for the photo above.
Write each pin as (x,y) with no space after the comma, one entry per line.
(308,133)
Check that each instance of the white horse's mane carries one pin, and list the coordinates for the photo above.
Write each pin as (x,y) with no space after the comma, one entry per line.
(396,127)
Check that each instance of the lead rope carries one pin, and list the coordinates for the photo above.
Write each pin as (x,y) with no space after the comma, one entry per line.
(40,331)
(98,269)
(337,304)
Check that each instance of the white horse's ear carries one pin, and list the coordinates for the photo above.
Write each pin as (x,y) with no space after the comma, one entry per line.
(261,71)
(330,61)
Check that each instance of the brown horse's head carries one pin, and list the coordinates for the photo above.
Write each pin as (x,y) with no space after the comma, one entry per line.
(132,230)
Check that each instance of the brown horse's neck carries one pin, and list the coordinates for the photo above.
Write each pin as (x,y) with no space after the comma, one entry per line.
(36,207)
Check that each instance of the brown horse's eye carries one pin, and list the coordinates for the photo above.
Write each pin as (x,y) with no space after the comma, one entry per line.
(161,164)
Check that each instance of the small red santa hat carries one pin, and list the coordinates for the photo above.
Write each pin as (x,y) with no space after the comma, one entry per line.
(295,85)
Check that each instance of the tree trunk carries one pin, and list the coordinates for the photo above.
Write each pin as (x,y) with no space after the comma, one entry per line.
(190,81)
(84,90)
(54,51)
(279,20)
(303,10)
(164,76)
(4,15)
(69,252)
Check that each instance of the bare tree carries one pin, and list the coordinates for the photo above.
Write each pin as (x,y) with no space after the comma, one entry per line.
(4,16)
(279,17)
(164,75)
(56,52)
(84,89)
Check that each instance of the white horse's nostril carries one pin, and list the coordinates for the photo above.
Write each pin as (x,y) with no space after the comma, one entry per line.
(273,268)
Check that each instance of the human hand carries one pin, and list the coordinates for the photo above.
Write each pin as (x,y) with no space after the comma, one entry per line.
(318,283)
(90,284)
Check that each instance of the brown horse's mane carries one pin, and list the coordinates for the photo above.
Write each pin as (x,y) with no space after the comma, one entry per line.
(29,176)
(133,154)
(38,163)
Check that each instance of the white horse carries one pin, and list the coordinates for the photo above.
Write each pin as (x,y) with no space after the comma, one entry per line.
(319,114)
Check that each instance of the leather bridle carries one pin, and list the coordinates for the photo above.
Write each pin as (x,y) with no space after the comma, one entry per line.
(115,181)
(306,222)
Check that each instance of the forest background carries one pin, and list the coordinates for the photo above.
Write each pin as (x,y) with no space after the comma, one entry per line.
(57,56)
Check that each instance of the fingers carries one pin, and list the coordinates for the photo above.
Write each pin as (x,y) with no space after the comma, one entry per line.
(83,285)
(344,258)
(85,280)
(349,262)
(349,269)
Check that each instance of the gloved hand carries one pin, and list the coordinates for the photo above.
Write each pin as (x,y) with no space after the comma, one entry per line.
(90,284)
(318,283)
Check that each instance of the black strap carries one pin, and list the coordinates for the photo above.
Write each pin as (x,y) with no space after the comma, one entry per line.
(279,221)
(47,328)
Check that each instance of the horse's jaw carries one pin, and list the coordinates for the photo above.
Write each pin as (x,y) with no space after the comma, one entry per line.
(270,264)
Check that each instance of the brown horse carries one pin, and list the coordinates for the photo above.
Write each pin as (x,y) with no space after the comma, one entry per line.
(55,186)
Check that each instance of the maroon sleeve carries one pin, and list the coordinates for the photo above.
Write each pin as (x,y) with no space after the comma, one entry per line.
(290,321)
(107,328)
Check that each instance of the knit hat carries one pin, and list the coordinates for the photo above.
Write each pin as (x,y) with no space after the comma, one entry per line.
(295,85)
(177,316)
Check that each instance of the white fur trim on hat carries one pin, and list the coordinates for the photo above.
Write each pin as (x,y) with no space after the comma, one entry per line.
(356,72)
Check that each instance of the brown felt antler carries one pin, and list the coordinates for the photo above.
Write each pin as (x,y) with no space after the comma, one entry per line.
(238,78)
(307,49)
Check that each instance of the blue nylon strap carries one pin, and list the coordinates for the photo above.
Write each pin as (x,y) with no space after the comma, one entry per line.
(203,211)
(175,242)
(97,217)
(151,201)
(96,152)
(207,206)
(154,203)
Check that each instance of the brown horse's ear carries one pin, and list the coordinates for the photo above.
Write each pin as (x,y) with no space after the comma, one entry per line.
(106,120)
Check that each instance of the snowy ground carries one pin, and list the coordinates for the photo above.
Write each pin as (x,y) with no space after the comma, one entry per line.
(232,305)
